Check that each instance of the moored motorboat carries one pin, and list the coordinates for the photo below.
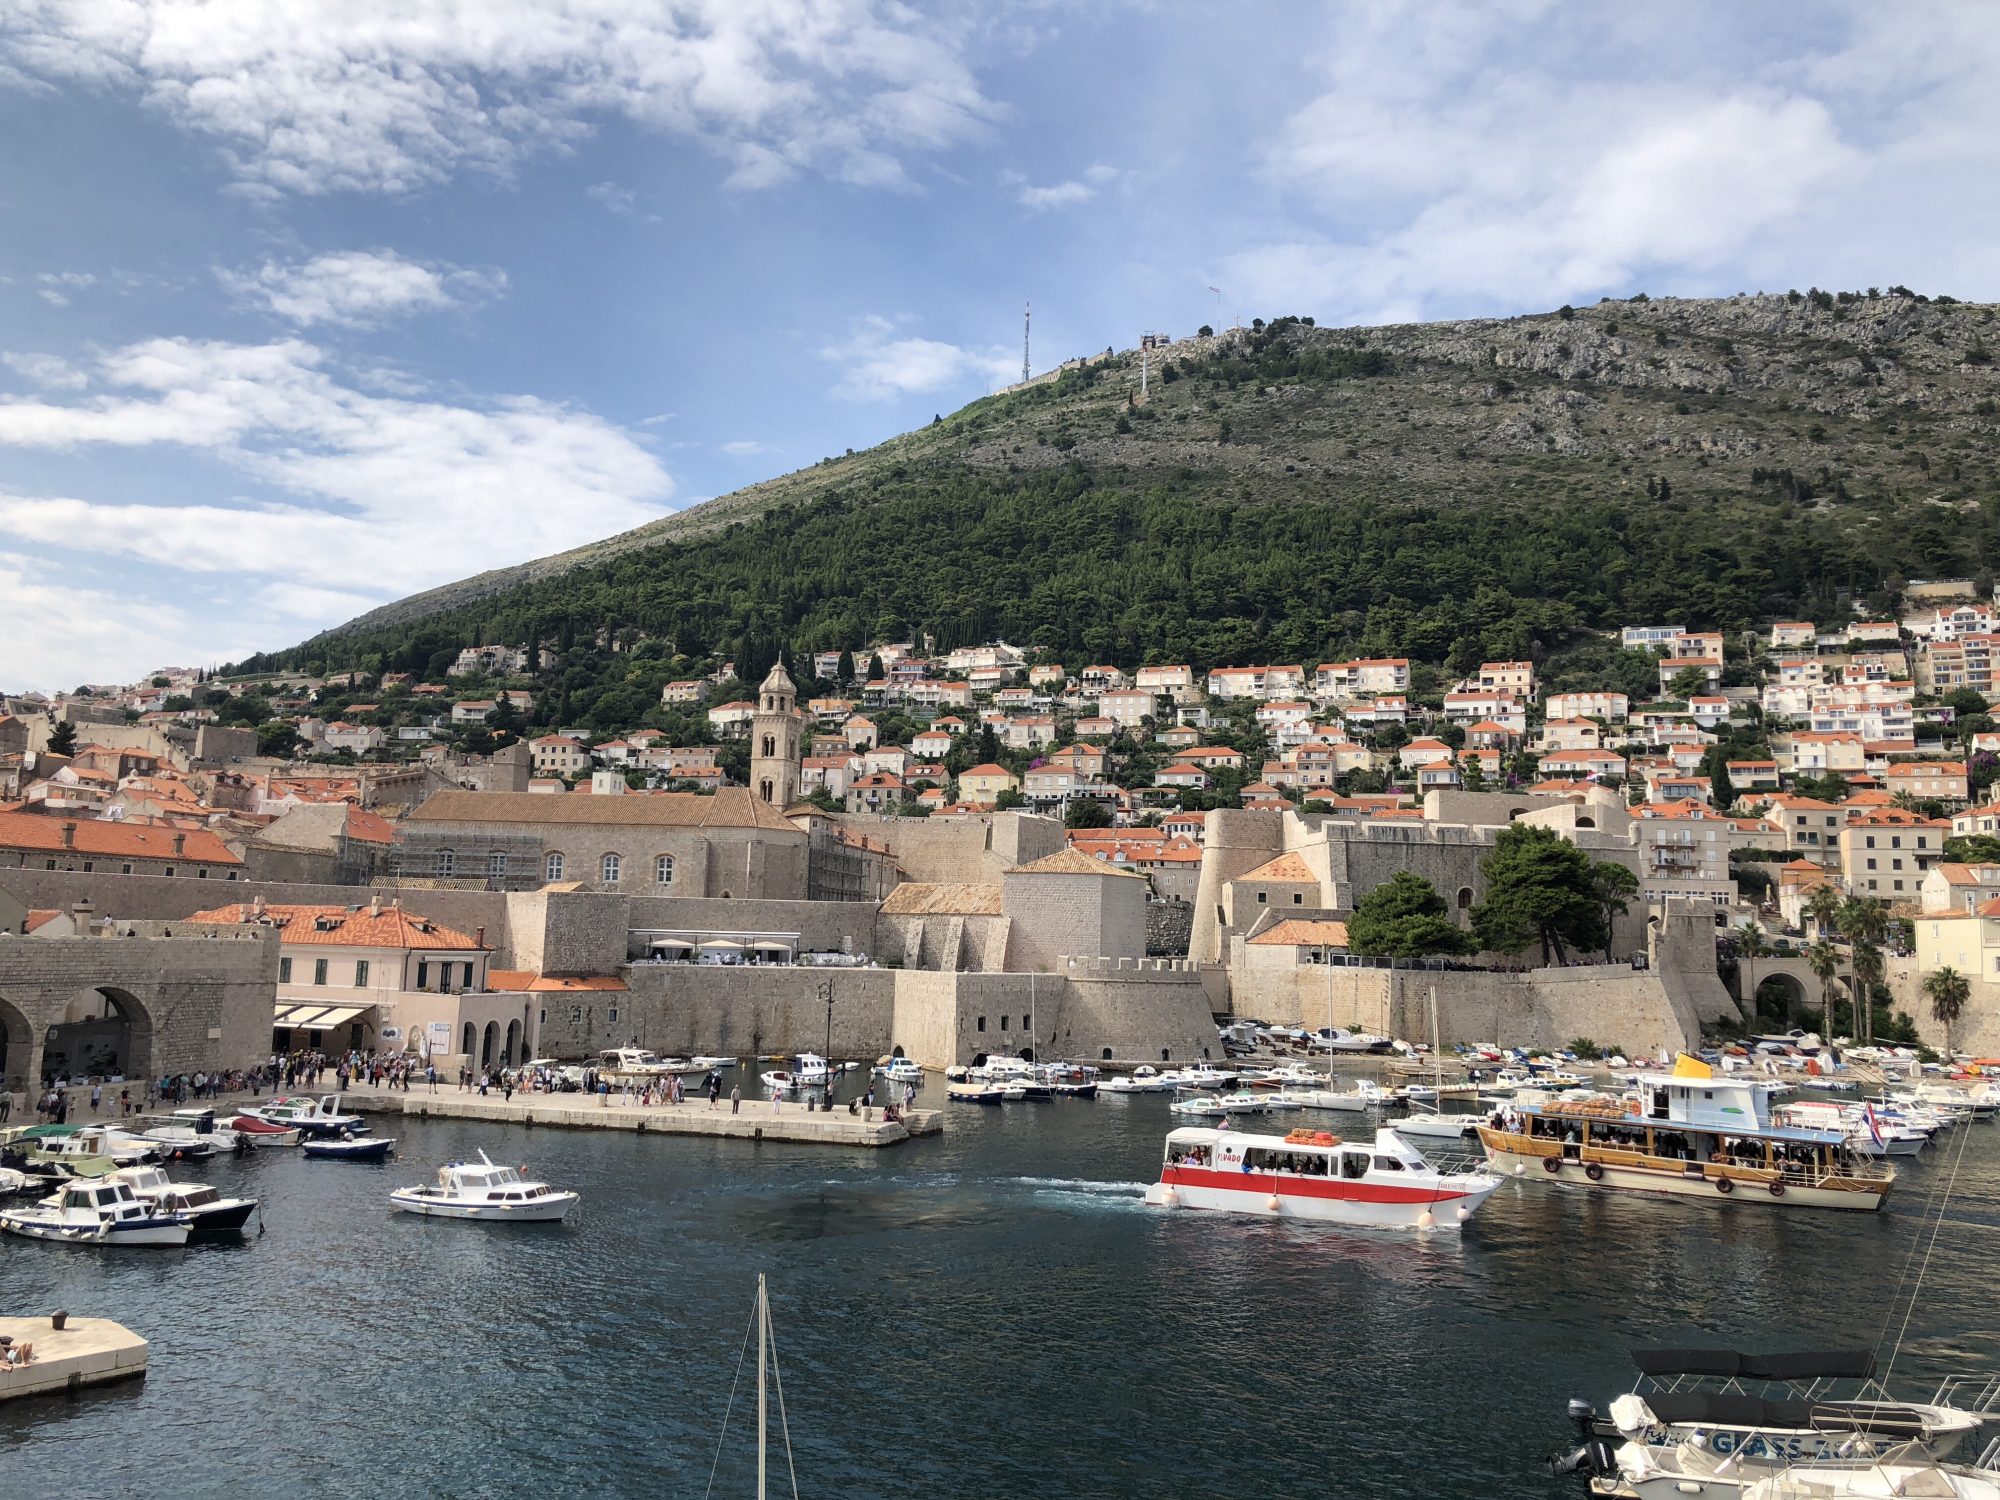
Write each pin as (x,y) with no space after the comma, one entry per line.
(1365,1095)
(253,1131)
(310,1117)
(1201,1075)
(1141,1080)
(350,1148)
(806,1071)
(207,1211)
(102,1212)
(482,1190)
(1316,1176)
(975,1093)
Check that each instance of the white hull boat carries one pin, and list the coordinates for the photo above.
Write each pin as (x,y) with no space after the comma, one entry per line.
(1141,1080)
(310,1117)
(97,1213)
(1314,1176)
(1364,1096)
(207,1212)
(483,1191)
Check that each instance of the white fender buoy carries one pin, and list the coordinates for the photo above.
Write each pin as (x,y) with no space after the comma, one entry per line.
(1520,1169)
(1170,1199)
(1272,1203)
(1427,1220)
(1464,1214)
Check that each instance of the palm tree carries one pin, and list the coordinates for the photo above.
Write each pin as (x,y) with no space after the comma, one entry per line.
(1868,971)
(1862,919)
(1823,907)
(1750,946)
(1750,941)
(1948,990)
(1824,960)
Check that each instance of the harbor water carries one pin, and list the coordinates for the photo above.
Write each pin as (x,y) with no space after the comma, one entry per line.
(990,1311)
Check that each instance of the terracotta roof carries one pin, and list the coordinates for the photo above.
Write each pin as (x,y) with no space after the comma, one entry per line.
(521,979)
(1298,932)
(1069,862)
(38,919)
(730,807)
(1954,874)
(916,898)
(1284,867)
(346,927)
(43,833)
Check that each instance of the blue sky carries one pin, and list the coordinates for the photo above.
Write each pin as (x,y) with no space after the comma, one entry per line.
(306,306)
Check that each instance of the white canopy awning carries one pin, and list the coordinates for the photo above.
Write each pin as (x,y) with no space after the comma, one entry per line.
(670,943)
(721,945)
(767,945)
(318,1017)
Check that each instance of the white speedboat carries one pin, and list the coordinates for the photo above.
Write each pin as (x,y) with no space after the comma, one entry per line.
(85,1146)
(711,1064)
(900,1070)
(1141,1080)
(96,1213)
(1201,1075)
(1907,1471)
(637,1065)
(309,1117)
(1867,1133)
(481,1190)
(1312,1175)
(1340,1039)
(807,1071)
(1242,1102)
(205,1209)
(190,1134)
(1438,1125)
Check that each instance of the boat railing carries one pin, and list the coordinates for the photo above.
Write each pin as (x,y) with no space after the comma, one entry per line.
(1455,1163)
(1970,1393)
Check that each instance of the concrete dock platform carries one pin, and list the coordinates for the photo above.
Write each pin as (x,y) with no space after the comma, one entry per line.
(757,1121)
(85,1351)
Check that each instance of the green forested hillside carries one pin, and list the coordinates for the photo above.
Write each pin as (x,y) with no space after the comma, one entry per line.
(1451,492)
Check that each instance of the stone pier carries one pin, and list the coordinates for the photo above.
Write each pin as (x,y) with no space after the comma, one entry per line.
(86,1351)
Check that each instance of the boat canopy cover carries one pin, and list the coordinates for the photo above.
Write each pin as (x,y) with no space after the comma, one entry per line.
(1813,1364)
(1726,1409)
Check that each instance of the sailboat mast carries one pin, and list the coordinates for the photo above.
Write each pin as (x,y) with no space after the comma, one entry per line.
(763,1344)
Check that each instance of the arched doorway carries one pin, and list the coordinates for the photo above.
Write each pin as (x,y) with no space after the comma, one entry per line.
(470,1040)
(512,1054)
(20,1067)
(103,1033)
(487,1044)
(1586,822)
(1027,1054)
(1780,995)
(896,1051)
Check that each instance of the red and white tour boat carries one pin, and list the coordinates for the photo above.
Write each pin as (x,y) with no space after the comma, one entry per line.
(1310,1174)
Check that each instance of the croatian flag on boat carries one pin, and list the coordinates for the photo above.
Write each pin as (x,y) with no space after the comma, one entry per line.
(1874,1131)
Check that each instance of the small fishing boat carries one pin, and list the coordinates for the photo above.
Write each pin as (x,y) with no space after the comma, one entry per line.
(1365,1095)
(710,1064)
(252,1131)
(1242,1102)
(204,1207)
(976,1093)
(806,1071)
(351,1147)
(310,1117)
(1312,1175)
(1340,1040)
(190,1134)
(481,1190)
(1201,1075)
(96,1213)
(899,1070)
(1141,1080)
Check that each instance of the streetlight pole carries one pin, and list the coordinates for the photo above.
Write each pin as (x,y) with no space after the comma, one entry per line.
(827,995)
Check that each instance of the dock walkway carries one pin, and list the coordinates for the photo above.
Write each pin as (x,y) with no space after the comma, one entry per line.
(86,1351)
(790,1120)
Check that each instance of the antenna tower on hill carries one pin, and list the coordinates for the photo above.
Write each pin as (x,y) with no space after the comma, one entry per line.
(1027,318)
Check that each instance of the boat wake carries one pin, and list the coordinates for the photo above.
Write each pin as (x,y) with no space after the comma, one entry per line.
(1103,1194)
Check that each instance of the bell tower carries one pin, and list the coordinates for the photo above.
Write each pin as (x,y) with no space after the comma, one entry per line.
(775,735)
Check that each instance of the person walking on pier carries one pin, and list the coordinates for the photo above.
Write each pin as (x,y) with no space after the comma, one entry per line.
(714,1087)
(736,1100)
(96,1098)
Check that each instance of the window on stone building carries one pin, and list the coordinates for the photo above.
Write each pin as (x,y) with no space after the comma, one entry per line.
(1003,1024)
(284,971)
(553,867)
(360,973)
(125,869)
(496,866)
(612,863)
(319,971)
(1262,897)
(614,1015)
(423,974)
(1298,898)
(981,1025)
(447,862)
(663,869)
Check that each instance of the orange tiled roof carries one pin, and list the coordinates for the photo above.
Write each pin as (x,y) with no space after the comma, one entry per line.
(1284,867)
(346,927)
(521,979)
(43,834)
(1297,932)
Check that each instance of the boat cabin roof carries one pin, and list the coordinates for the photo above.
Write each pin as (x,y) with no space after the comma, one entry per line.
(1784,1135)
(1728,1364)
(478,1173)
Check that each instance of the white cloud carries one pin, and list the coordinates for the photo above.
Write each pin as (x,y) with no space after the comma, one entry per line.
(1518,155)
(381,495)
(876,366)
(1062,194)
(303,602)
(358,288)
(50,370)
(613,198)
(317,96)
(745,448)
(60,633)
(54,287)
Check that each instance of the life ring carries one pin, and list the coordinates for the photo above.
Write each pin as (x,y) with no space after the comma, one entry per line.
(1777,1190)
(1594,1172)
(1724,1186)
(1552,1164)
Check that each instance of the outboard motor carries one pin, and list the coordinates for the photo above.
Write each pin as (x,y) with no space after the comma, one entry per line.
(1593,1454)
